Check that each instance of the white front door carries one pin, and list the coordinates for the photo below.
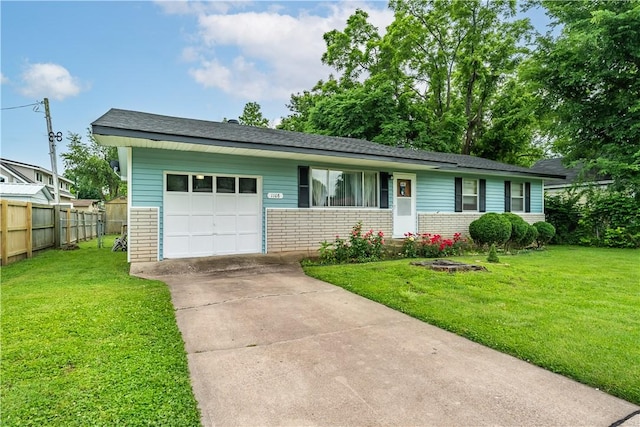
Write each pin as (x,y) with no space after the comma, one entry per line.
(404,204)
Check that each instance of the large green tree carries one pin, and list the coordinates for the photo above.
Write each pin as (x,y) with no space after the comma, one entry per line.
(589,77)
(87,164)
(442,77)
(252,116)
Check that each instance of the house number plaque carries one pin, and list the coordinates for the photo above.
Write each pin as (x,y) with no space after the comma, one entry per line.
(275,196)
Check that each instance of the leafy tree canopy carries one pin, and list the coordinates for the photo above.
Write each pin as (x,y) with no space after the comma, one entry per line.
(252,116)
(589,79)
(87,165)
(443,77)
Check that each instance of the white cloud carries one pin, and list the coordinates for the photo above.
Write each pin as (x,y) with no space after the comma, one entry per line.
(49,80)
(266,55)
(3,79)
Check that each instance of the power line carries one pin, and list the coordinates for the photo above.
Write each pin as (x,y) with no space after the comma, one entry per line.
(22,106)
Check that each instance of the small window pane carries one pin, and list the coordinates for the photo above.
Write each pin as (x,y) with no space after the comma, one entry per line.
(248,185)
(470,186)
(517,205)
(178,183)
(202,184)
(517,190)
(469,203)
(319,189)
(225,184)
(370,189)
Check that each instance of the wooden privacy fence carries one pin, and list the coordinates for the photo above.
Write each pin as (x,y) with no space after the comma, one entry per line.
(26,228)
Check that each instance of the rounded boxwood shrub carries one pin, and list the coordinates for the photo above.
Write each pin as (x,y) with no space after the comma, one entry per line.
(519,229)
(546,232)
(530,237)
(490,228)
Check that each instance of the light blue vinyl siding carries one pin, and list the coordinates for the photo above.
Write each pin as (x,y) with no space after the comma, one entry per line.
(495,194)
(436,192)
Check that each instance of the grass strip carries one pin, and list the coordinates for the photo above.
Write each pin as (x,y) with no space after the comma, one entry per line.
(571,310)
(83,343)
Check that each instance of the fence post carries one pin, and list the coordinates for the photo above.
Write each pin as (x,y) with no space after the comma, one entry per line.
(68,235)
(57,227)
(5,234)
(29,233)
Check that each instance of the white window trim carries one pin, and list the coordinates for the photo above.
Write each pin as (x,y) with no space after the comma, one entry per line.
(476,195)
(361,171)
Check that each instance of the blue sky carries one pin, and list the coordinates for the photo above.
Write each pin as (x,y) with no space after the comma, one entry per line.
(201,60)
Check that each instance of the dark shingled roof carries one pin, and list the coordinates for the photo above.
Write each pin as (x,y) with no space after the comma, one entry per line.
(572,175)
(134,124)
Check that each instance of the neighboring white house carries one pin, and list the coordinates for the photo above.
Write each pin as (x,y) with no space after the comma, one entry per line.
(12,171)
(34,193)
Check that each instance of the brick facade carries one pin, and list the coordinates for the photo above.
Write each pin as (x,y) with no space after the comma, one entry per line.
(446,224)
(304,229)
(143,234)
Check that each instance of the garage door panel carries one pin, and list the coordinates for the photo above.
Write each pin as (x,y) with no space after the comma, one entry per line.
(176,246)
(248,245)
(176,224)
(177,203)
(226,204)
(202,245)
(247,204)
(226,244)
(250,224)
(202,203)
(201,224)
(226,224)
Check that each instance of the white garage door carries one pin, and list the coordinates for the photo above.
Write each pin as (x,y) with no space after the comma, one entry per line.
(211,215)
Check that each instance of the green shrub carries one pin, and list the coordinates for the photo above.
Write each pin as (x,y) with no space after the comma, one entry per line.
(493,254)
(530,237)
(595,218)
(519,229)
(546,232)
(490,228)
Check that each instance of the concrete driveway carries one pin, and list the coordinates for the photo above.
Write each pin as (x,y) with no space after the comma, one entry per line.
(268,346)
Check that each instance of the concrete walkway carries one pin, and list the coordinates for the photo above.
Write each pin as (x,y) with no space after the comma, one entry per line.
(268,346)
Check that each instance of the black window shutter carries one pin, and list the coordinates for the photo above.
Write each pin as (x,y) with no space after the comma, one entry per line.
(303,186)
(458,198)
(507,196)
(384,190)
(483,195)
(527,197)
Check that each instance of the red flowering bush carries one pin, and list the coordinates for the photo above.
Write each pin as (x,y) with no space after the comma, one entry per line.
(358,248)
(429,245)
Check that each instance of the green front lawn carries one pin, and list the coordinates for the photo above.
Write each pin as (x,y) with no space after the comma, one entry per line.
(83,343)
(571,310)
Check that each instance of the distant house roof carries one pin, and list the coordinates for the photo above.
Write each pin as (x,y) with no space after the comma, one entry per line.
(573,175)
(84,203)
(125,128)
(16,190)
(10,165)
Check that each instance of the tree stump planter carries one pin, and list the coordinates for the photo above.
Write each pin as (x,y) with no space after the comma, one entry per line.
(448,266)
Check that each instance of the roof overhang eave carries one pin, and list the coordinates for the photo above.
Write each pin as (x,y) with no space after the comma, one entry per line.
(268,151)
(127,138)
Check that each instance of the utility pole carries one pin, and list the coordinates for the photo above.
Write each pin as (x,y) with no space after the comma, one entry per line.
(52,150)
